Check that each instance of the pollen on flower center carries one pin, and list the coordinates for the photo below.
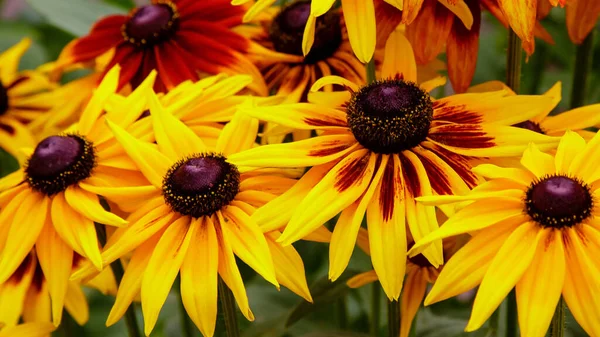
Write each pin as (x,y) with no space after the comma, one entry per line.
(151,24)
(59,162)
(3,99)
(529,125)
(287,29)
(201,185)
(558,201)
(390,116)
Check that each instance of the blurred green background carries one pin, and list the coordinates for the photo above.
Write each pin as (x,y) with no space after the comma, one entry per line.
(338,311)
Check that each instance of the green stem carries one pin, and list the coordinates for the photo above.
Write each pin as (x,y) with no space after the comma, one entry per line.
(511,315)
(513,61)
(583,60)
(494,322)
(393,318)
(228,307)
(371,77)
(375,308)
(342,313)
(66,325)
(118,271)
(557,327)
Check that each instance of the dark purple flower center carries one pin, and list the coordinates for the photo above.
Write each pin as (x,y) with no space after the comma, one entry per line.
(201,185)
(390,116)
(151,24)
(3,99)
(287,30)
(420,260)
(59,162)
(529,125)
(558,202)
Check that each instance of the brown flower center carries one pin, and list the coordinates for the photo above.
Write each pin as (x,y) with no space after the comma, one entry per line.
(558,201)
(390,116)
(59,162)
(529,125)
(3,99)
(287,29)
(201,185)
(151,24)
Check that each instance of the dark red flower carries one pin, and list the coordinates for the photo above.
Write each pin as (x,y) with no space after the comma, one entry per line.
(181,39)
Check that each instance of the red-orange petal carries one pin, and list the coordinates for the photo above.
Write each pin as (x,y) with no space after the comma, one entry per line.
(462,49)
(430,30)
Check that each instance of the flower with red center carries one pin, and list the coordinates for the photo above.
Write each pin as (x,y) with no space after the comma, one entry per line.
(380,146)
(181,39)
(535,228)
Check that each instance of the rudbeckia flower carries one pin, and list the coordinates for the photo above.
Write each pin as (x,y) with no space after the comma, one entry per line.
(279,56)
(24,97)
(27,330)
(379,147)
(360,17)
(56,194)
(181,39)
(534,227)
(196,221)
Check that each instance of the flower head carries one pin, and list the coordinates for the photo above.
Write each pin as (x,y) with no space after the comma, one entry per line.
(380,146)
(196,221)
(181,39)
(534,227)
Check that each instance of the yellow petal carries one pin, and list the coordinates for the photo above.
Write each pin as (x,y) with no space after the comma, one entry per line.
(537,162)
(76,303)
(14,292)
(362,279)
(304,116)
(387,229)
(412,297)
(320,7)
(174,138)
(466,268)
(518,175)
(521,18)
(56,260)
(248,242)
(461,10)
(166,260)
(257,8)
(33,329)
(24,230)
(199,276)
(289,267)
(570,145)
(10,60)
(585,163)
(238,135)
(153,164)
(399,58)
(540,288)
(506,269)
(308,37)
(333,79)
(88,205)
(95,106)
(360,22)
(336,191)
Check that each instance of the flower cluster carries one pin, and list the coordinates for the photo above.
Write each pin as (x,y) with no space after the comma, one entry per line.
(210,133)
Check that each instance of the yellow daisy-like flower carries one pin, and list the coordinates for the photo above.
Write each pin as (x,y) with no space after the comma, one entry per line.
(196,221)
(279,55)
(534,227)
(56,195)
(360,18)
(24,97)
(27,330)
(380,146)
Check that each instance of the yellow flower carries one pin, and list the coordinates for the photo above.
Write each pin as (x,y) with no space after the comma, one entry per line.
(27,330)
(53,200)
(379,147)
(195,221)
(534,227)
(24,97)
(360,18)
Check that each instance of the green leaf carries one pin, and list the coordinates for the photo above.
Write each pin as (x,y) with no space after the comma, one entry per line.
(127,4)
(74,16)
(323,292)
(8,164)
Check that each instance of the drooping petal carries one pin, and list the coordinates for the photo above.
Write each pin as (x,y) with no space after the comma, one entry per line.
(337,190)
(56,260)
(506,269)
(76,303)
(462,49)
(582,17)
(24,230)
(433,24)
(199,276)
(289,267)
(166,260)
(540,288)
(412,297)
(362,279)
(521,15)
(359,16)
(466,268)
